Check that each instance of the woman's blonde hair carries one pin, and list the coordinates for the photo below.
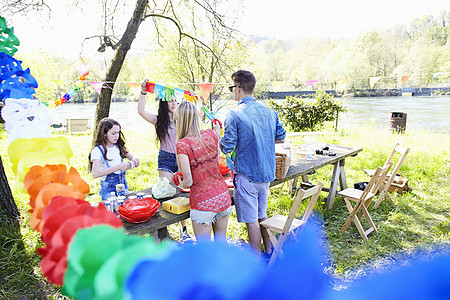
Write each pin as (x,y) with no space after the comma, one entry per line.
(187,120)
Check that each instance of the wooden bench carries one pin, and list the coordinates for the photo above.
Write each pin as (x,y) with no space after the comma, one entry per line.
(78,125)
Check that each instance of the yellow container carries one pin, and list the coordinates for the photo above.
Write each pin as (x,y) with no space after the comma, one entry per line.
(177,205)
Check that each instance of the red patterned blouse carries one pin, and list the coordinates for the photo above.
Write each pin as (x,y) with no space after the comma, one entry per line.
(209,191)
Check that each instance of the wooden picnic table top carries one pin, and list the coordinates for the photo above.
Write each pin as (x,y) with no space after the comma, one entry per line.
(301,166)
(161,219)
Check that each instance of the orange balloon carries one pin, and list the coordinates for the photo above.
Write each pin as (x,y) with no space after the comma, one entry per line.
(38,170)
(39,183)
(52,174)
(44,197)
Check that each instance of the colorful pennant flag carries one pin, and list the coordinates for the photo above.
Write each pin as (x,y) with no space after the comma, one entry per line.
(374,80)
(405,78)
(97,85)
(133,84)
(205,90)
(165,93)
(341,84)
(311,83)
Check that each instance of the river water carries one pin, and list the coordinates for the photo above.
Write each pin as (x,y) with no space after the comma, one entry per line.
(423,113)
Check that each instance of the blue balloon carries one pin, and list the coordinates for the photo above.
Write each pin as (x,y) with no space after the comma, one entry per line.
(11,73)
(208,270)
(299,274)
(423,280)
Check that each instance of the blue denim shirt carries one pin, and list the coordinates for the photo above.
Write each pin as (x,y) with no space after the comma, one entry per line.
(252,129)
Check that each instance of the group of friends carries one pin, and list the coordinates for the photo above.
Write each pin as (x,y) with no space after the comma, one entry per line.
(251,128)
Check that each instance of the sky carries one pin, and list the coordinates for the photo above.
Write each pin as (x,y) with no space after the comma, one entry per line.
(332,18)
(285,19)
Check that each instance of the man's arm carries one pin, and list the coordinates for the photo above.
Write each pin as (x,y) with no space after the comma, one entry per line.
(229,140)
(280,132)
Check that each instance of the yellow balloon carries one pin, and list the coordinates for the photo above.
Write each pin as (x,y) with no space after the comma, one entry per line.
(38,151)
(29,159)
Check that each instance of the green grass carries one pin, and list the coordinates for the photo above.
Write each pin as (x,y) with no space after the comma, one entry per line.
(419,220)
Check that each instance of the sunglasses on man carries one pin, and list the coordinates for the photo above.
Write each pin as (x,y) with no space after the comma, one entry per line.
(231,87)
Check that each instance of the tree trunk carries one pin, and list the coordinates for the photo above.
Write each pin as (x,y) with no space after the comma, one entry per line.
(104,99)
(8,208)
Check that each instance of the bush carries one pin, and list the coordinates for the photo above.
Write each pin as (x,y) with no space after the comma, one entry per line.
(300,114)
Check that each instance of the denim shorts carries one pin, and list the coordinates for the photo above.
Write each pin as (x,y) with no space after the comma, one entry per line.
(208,217)
(167,161)
(109,184)
(250,199)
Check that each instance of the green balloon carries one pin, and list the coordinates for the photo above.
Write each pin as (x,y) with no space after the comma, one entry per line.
(8,43)
(100,257)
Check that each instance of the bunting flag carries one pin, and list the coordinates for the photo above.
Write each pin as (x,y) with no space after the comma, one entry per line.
(83,70)
(437,74)
(405,78)
(165,93)
(159,91)
(133,84)
(97,85)
(341,84)
(179,94)
(311,83)
(205,90)
(374,80)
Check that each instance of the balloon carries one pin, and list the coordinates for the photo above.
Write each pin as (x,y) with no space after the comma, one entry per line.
(54,256)
(215,271)
(26,118)
(25,153)
(44,197)
(14,81)
(300,267)
(37,171)
(7,44)
(60,209)
(52,176)
(100,257)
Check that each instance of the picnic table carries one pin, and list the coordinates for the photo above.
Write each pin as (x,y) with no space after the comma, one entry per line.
(299,167)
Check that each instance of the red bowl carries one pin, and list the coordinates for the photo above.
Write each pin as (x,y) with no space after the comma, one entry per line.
(138,210)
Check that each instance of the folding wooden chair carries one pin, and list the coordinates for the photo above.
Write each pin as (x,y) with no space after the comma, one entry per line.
(362,201)
(385,187)
(286,225)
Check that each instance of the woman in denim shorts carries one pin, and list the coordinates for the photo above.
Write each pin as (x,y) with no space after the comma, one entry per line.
(198,157)
(165,135)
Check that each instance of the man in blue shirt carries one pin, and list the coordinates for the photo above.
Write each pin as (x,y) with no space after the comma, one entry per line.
(252,128)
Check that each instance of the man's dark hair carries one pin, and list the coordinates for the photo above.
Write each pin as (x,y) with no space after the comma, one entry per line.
(245,79)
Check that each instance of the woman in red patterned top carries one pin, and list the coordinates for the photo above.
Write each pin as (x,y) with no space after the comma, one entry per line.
(198,160)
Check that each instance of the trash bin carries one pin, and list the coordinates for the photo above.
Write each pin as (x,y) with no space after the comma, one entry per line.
(397,122)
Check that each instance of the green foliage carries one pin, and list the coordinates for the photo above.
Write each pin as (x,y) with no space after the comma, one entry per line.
(300,114)
(421,50)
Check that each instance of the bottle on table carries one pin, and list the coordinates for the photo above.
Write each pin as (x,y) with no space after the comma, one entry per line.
(111,202)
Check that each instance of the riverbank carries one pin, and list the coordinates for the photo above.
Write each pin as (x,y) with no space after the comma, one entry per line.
(394,92)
